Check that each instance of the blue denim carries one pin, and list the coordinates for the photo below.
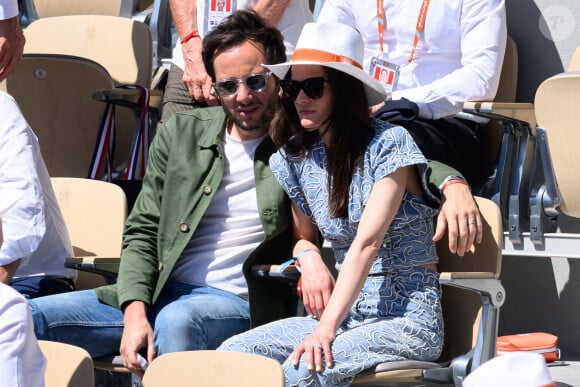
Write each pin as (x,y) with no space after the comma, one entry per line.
(34,287)
(185,317)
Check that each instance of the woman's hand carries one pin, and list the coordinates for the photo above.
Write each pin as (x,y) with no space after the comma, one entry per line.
(317,348)
(317,283)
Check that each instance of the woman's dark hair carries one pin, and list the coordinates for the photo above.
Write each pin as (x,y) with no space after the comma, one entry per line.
(351,131)
(241,26)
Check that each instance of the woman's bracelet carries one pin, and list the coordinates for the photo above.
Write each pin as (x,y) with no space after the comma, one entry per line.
(292,260)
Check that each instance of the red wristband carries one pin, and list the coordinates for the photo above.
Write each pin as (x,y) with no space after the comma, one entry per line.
(453,181)
(192,34)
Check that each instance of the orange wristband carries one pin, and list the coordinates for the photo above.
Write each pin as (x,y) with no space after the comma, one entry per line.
(191,35)
(453,181)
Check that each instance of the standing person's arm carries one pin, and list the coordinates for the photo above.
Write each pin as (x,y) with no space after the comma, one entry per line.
(195,76)
(11,38)
(483,34)
(381,208)
(271,10)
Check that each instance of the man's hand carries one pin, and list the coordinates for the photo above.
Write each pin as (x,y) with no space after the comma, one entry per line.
(460,214)
(137,335)
(11,46)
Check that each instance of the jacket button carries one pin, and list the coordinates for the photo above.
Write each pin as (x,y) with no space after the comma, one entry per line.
(183,227)
(206,189)
(160,267)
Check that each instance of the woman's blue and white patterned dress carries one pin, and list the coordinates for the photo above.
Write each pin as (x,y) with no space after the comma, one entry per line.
(397,314)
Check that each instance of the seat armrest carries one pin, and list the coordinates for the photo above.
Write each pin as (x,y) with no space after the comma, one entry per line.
(290,273)
(481,282)
(128,97)
(503,110)
(108,267)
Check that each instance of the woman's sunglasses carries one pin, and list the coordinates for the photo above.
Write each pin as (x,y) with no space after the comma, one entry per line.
(313,87)
(229,86)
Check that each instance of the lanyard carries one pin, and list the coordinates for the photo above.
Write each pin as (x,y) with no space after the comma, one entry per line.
(381,22)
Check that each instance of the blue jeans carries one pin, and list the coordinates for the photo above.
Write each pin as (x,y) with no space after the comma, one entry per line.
(185,317)
(34,287)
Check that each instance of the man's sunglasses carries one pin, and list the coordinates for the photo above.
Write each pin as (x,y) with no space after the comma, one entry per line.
(313,87)
(229,86)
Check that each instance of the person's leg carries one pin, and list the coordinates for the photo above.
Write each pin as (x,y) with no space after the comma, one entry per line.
(40,286)
(194,318)
(393,318)
(276,340)
(176,97)
(80,319)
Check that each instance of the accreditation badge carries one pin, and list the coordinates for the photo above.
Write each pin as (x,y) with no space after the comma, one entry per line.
(216,11)
(385,72)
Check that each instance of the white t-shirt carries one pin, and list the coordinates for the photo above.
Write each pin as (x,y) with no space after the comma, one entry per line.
(295,16)
(229,230)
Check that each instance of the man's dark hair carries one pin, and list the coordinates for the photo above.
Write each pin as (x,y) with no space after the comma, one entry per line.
(241,26)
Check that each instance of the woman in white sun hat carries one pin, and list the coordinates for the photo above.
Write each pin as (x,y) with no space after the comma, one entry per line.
(353,179)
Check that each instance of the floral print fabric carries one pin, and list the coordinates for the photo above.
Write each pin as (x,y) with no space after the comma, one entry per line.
(397,314)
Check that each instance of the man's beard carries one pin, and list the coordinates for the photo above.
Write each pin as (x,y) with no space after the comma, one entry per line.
(264,120)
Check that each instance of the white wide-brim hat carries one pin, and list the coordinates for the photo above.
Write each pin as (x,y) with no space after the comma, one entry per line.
(333,45)
(8,197)
(521,369)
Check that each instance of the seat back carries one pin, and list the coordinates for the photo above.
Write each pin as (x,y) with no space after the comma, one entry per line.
(556,106)
(491,136)
(462,308)
(122,46)
(94,213)
(213,369)
(67,365)
(508,80)
(51,8)
(55,95)
(574,64)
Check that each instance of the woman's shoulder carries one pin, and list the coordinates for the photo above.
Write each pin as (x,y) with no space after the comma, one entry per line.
(387,134)
(384,128)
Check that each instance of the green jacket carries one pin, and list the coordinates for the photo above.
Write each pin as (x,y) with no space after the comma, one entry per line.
(186,166)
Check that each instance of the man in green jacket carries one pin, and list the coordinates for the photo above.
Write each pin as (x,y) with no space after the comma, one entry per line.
(209,209)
